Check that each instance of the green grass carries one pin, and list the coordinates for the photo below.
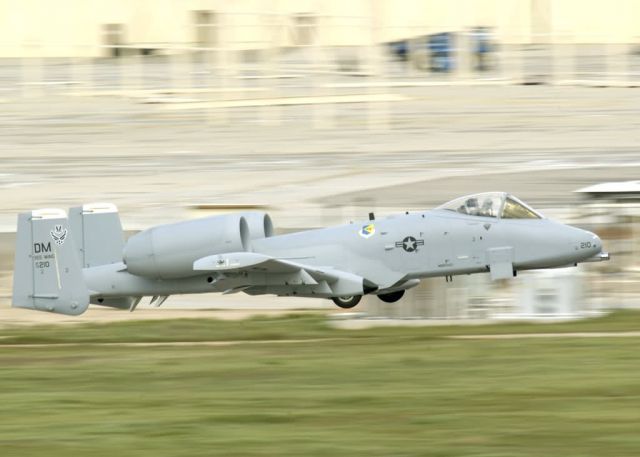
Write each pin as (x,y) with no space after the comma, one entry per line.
(379,392)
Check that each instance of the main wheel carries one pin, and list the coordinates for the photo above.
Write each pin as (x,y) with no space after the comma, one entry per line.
(391,297)
(347,302)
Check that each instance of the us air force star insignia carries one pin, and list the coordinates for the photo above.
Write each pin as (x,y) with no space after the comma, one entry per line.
(409,244)
(58,234)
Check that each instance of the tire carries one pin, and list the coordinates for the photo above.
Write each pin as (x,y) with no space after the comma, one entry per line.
(391,297)
(347,302)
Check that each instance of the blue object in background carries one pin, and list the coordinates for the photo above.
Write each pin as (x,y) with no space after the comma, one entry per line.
(481,39)
(436,50)
(440,47)
(400,49)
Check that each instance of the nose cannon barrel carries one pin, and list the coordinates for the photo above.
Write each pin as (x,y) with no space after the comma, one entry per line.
(600,257)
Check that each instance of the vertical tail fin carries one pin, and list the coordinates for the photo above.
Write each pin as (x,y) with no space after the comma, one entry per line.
(97,233)
(47,273)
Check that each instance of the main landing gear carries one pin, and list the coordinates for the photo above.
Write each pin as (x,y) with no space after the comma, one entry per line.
(347,302)
(350,302)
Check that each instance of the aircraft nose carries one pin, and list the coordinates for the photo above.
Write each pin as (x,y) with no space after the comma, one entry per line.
(589,243)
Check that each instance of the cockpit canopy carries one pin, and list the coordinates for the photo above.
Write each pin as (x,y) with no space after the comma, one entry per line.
(492,204)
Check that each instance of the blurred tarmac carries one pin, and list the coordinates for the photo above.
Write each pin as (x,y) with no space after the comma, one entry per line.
(62,152)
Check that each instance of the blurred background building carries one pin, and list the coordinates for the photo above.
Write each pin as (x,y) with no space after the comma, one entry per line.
(321,111)
(95,28)
(511,39)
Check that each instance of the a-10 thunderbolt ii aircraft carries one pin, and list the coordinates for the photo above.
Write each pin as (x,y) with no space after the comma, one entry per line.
(64,263)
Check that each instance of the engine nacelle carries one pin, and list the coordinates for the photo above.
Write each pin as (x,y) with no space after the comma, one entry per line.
(168,251)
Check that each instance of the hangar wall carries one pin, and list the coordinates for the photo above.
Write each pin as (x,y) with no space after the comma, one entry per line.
(79,28)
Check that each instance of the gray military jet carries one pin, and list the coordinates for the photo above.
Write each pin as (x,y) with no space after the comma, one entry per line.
(64,263)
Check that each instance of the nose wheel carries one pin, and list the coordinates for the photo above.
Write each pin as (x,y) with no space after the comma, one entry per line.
(347,302)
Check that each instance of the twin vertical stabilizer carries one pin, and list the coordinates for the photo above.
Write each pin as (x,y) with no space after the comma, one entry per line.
(47,272)
(97,233)
(52,249)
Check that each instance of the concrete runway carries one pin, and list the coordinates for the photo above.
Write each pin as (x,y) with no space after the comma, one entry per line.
(64,151)
(514,336)
(444,141)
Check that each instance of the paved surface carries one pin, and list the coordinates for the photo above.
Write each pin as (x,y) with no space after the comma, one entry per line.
(64,151)
(546,183)
(514,336)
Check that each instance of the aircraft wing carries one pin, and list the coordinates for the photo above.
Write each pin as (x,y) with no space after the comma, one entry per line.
(263,270)
(244,261)
(250,261)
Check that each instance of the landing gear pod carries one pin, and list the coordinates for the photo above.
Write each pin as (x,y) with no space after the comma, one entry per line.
(391,297)
(350,301)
